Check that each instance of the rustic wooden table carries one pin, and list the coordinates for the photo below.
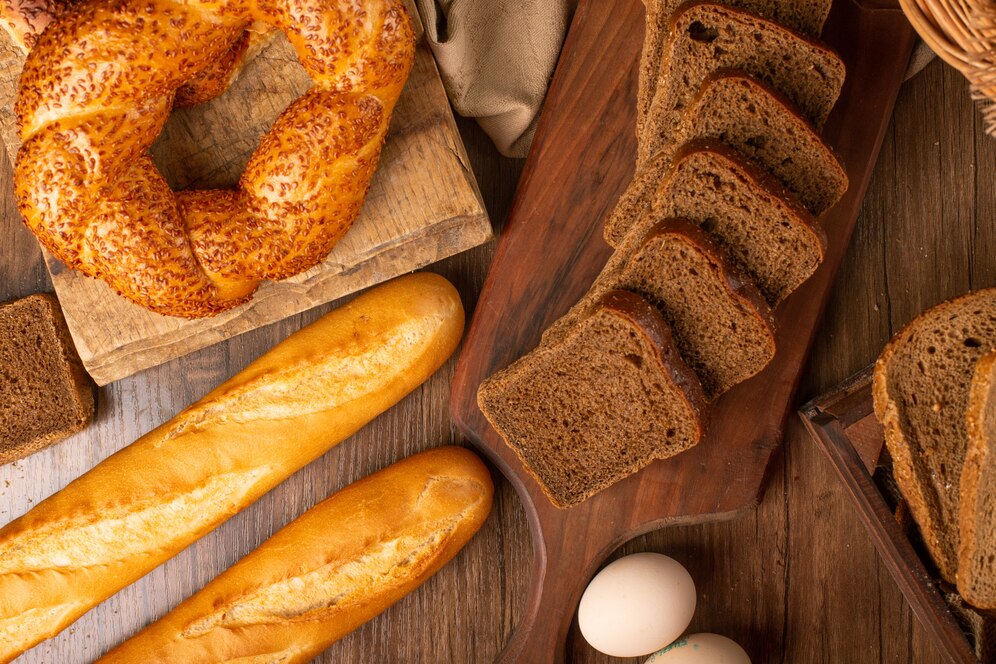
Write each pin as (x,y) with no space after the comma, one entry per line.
(795,581)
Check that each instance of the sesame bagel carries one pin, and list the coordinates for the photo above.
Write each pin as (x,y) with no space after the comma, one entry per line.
(95,92)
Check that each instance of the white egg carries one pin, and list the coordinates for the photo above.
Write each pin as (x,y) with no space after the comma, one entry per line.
(636,605)
(701,649)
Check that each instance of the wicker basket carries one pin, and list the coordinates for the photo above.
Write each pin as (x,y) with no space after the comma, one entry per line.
(963,34)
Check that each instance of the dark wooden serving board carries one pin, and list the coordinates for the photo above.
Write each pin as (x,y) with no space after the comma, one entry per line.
(552,249)
(843,424)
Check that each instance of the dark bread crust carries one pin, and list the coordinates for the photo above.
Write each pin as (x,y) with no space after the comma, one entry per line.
(738,287)
(830,177)
(927,462)
(645,316)
(976,571)
(646,321)
(67,405)
(707,36)
(786,12)
(784,216)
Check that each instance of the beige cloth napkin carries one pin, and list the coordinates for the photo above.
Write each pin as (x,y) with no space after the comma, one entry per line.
(496,58)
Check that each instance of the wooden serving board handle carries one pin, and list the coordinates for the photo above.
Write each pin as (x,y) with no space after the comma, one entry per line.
(552,249)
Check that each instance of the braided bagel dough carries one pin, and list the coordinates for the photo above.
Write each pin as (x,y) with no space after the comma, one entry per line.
(25,20)
(98,86)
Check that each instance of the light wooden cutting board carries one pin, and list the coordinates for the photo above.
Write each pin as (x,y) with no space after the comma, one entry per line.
(423,206)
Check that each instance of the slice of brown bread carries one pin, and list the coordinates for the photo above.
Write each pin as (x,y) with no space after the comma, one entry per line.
(805,16)
(921,389)
(45,395)
(705,37)
(762,228)
(721,324)
(761,124)
(753,119)
(977,505)
(606,401)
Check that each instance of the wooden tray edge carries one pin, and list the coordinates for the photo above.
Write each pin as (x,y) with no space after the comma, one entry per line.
(904,564)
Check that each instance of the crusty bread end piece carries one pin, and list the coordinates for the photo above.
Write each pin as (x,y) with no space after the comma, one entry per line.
(977,509)
(921,392)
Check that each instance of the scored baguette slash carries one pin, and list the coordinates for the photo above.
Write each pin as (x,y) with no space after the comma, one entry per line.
(599,405)
(146,503)
(332,569)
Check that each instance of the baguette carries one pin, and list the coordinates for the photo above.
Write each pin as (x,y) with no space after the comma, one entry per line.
(334,568)
(145,504)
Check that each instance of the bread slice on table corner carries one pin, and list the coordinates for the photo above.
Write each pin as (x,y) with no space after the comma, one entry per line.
(721,324)
(804,16)
(45,394)
(611,397)
(921,394)
(760,225)
(705,37)
(977,507)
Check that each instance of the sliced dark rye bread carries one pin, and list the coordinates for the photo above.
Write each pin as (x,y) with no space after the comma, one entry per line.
(721,324)
(977,505)
(45,394)
(758,122)
(761,124)
(706,37)
(612,396)
(804,16)
(921,389)
(765,232)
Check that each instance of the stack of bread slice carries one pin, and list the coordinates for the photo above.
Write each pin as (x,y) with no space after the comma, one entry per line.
(717,227)
(934,389)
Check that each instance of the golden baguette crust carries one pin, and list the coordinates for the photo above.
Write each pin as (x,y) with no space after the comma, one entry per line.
(337,566)
(94,94)
(149,501)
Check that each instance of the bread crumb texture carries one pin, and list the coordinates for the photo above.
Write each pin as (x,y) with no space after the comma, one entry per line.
(921,395)
(604,402)
(45,395)
(977,555)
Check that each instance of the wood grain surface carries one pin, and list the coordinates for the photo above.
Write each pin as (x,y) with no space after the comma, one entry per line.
(796,581)
(423,205)
(553,249)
